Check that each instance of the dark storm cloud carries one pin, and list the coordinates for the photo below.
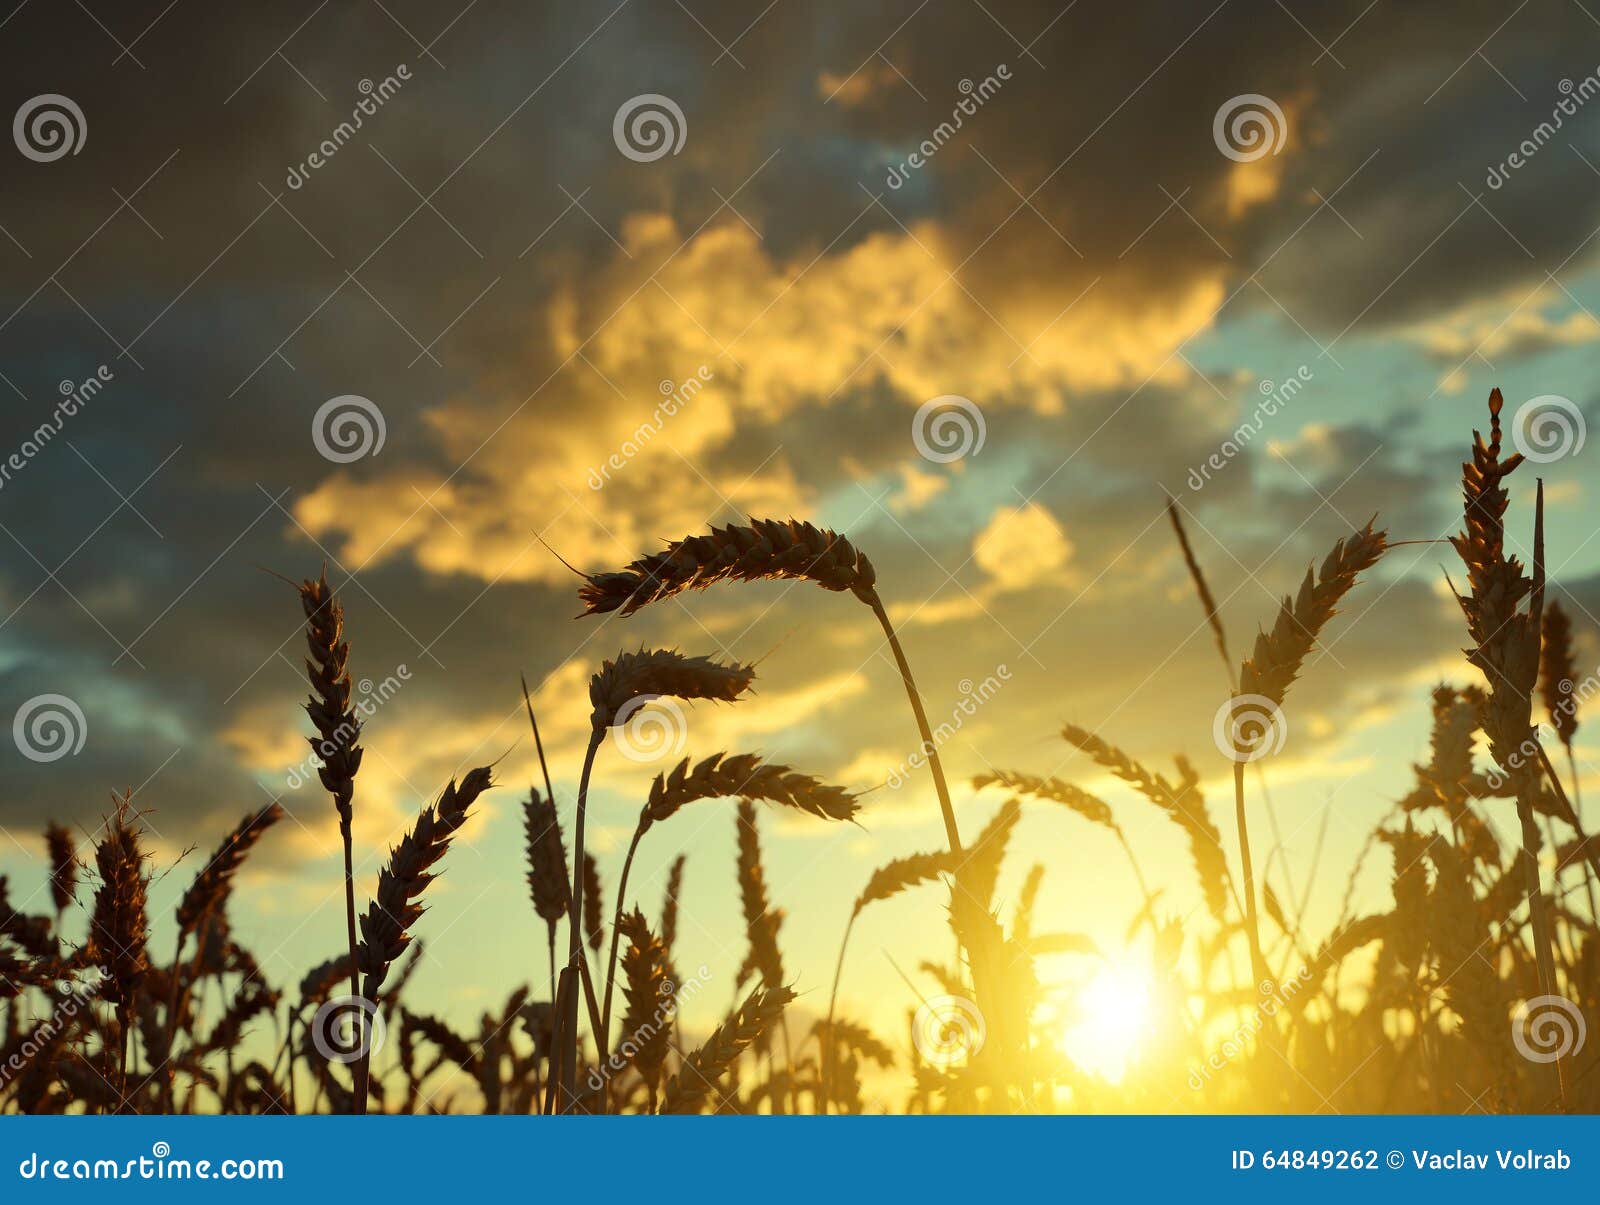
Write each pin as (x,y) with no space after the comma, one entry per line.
(232,316)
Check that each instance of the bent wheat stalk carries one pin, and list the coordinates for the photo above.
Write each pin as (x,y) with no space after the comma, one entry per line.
(887,881)
(616,693)
(767,550)
(721,776)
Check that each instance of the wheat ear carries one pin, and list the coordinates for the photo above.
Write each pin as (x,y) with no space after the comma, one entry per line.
(1183,804)
(207,896)
(397,905)
(887,881)
(741,776)
(695,1083)
(1268,673)
(621,686)
(1091,807)
(119,929)
(649,992)
(63,853)
(336,744)
(763,550)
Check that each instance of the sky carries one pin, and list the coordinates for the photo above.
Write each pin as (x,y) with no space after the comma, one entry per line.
(973,283)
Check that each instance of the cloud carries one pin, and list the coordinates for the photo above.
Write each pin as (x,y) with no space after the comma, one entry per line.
(1080,260)
(1022,546)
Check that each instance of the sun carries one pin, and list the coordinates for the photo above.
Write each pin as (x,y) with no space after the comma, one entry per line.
(1109,1020)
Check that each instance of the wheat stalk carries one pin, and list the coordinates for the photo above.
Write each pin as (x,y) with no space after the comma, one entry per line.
(650,673)
(741,776)
(1053,790)
(1181,801)
(63,867)
(695,1083)
(1208,601)
(396,907)
(336,744)
(767,550)
(211,886)
(595,933)
(119,928)
(1558,676)
(1506,649)
(648,992)
(207,896)
(1272,668)
(761,920)
(887,881)
(619,686)
(548,887)
(1278,655)
(669,903)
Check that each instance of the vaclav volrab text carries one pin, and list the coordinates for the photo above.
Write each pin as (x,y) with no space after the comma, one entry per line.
(1467,1161)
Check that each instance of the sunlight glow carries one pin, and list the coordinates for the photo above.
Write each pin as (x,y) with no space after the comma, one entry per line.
(1109,1021)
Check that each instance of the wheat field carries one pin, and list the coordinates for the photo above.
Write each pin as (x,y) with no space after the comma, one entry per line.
(1471,987)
